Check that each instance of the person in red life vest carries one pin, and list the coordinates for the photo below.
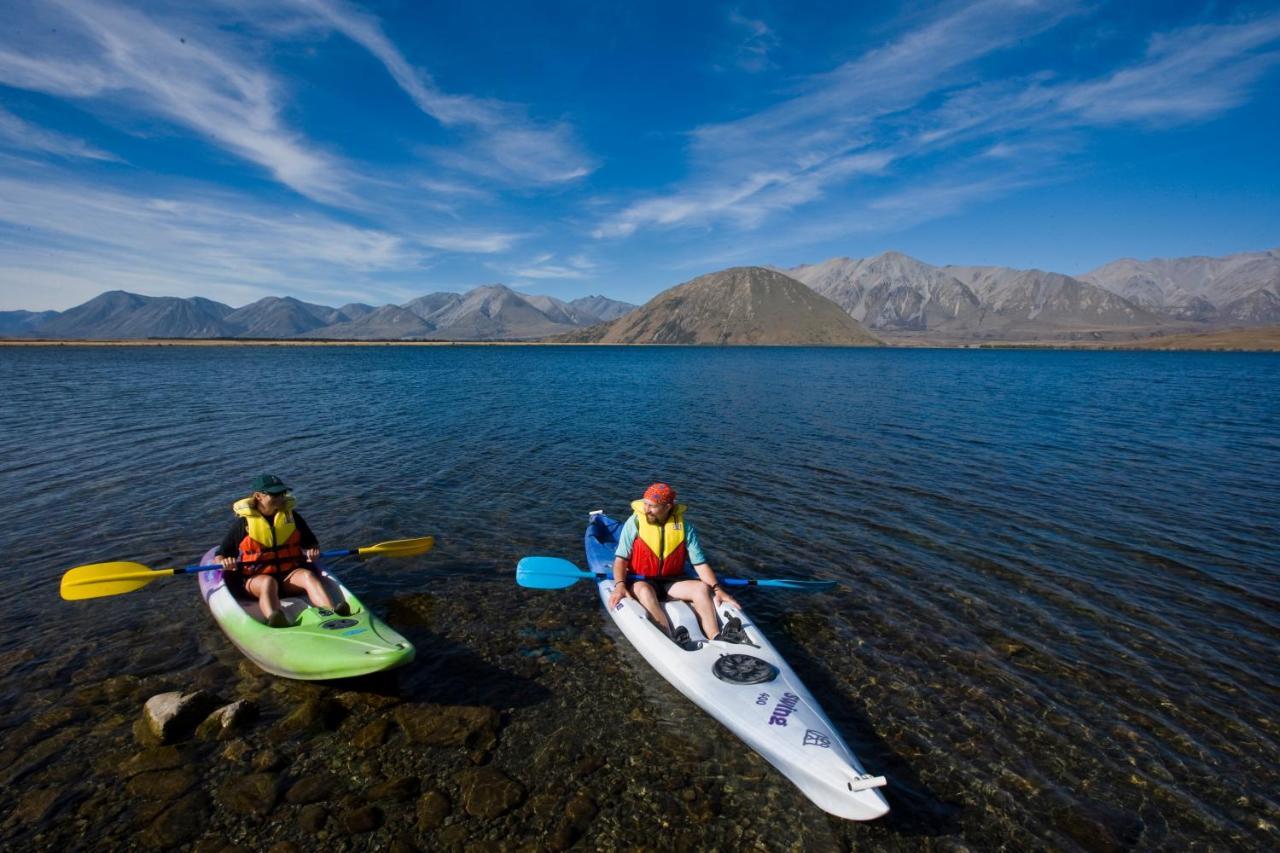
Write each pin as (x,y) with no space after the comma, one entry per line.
(656,542)
(267,548)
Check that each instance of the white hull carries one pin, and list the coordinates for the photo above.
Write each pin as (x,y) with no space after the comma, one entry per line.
(778,718)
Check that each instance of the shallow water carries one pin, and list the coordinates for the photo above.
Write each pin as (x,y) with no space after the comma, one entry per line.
(1056,625)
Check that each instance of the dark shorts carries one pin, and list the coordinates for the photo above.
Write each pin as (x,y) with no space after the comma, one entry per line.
(235,583)
(660,585)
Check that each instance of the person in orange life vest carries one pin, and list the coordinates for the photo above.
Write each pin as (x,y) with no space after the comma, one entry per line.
(655,542)
(268,531)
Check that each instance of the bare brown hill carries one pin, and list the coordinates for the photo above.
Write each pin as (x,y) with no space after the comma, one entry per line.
(743,305)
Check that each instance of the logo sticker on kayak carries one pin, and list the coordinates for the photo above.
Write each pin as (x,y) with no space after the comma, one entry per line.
(339,624)
(812,738)
(785,707)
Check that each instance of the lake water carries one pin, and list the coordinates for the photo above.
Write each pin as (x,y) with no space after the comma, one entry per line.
(1056,625)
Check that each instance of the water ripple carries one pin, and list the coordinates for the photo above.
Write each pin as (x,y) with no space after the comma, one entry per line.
(1057,623)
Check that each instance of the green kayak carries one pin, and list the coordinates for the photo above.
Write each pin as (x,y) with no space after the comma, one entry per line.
(318,644)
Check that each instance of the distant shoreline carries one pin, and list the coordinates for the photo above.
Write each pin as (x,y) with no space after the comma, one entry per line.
(1263,339)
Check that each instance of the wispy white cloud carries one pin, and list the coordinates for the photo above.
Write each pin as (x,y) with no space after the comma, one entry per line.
(545,266)
(830,128)
(205,83)
(21,134)
(753,50)
(516,156)
(747,201)
(190,239)
(189,66)
(1189,75)
(880,114)
(502,141)
(1185,76)
(472,241)
(966,184)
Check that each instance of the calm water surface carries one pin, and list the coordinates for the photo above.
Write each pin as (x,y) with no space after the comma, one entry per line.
(1056,625)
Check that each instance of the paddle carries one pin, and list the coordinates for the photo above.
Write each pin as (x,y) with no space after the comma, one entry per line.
(555,573)
(102,579)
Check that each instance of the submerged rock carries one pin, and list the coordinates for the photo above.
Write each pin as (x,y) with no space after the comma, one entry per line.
(354,701)
(237,750)
(252,794)
(433,807)
(450,725)
(312,818)
(488,792)
(179,824)
(162,784)
(311,789)
(150,760)
(363,819)
(226,721)
(371,735)
(173,716)
(267,760)
(401,789)
(35,806)
(403,844)
(313,715)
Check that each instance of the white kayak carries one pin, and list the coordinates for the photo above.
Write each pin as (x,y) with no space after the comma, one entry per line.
(749,688)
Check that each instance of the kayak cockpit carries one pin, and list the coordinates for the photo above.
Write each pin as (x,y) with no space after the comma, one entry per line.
(293,606)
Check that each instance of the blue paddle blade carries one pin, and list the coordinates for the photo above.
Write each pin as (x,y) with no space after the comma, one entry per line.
(548,573)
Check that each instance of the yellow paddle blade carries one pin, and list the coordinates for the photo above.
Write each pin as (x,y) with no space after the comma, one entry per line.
(400,547)
(102,579)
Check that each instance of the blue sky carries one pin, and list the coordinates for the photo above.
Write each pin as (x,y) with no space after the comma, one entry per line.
(341,152)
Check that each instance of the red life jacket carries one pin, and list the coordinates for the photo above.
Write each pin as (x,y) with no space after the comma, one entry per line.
(660,549)
(275,544)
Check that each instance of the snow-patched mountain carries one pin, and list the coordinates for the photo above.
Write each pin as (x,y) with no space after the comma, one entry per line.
(1241,288)
(743,305)
(891,291)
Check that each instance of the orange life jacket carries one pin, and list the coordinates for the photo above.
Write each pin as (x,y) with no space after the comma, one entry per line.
(274,543)
(660,549)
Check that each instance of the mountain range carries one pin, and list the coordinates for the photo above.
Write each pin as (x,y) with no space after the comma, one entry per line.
(1237,289)
(492,312)
(896,296)
(893,296)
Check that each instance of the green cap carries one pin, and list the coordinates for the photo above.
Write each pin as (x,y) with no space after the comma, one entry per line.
(269,484)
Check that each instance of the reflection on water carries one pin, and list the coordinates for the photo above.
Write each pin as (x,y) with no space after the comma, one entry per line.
(1056,626)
